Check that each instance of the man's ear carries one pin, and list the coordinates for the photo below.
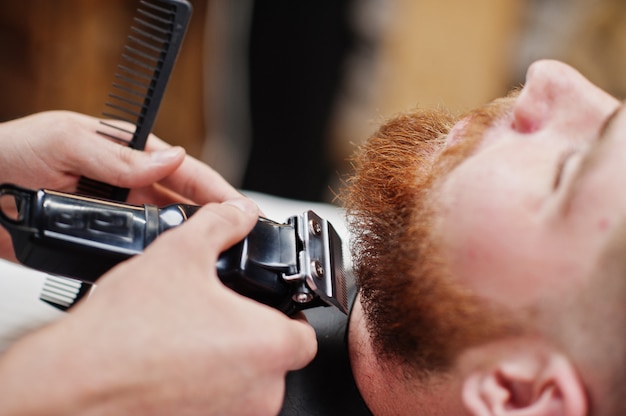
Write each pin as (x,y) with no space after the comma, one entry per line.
(524,382)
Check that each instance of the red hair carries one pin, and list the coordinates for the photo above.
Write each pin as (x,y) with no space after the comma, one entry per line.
(415,311)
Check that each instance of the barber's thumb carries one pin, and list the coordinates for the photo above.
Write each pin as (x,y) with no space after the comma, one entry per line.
(129,168)
(220,225)
(245,205)
(159,164)
(245,216)
(304,342)
(168,156)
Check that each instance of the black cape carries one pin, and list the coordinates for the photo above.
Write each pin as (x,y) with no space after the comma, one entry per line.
(326,386)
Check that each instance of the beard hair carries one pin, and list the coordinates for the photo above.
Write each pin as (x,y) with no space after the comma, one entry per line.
(416,314)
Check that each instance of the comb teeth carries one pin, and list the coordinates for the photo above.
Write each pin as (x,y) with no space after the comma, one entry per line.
(142,60)
(99,189)
(147,61)
(62,292)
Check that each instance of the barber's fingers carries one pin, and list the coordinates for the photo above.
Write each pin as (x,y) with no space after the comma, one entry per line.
(193,249)
(182,177)
(122,166)
(233,220)
(68,143)
(210,231)
(57,144)
(303,341)
(118,164)
(195,180)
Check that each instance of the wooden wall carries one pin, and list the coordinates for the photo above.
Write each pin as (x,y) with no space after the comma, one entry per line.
(62,54)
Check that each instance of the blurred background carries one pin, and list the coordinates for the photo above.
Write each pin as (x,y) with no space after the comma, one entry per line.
(276,94)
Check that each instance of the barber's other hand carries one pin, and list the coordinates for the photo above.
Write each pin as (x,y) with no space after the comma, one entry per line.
(161,335)
(53,149)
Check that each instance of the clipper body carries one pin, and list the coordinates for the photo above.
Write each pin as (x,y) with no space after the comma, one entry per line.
(290,266)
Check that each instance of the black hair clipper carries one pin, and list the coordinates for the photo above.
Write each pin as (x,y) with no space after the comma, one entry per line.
(290,266)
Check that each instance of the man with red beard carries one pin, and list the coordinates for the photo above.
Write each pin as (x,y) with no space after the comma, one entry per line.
(488,255)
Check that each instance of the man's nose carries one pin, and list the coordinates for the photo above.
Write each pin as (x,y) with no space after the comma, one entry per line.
(556,95)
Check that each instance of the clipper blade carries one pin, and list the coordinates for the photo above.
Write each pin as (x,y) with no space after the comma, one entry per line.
(327,275)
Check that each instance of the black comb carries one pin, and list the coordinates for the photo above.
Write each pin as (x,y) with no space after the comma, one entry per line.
(147,61)
(146,64)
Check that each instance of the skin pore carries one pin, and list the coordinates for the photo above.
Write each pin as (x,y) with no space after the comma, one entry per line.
(529,206)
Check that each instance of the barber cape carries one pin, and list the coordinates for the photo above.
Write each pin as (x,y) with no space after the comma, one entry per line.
(325,387)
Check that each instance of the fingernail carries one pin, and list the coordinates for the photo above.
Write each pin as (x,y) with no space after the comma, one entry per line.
(165,156)
(245,204)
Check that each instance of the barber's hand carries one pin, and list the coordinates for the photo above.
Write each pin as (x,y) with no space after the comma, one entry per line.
(53,149)
(162,336)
